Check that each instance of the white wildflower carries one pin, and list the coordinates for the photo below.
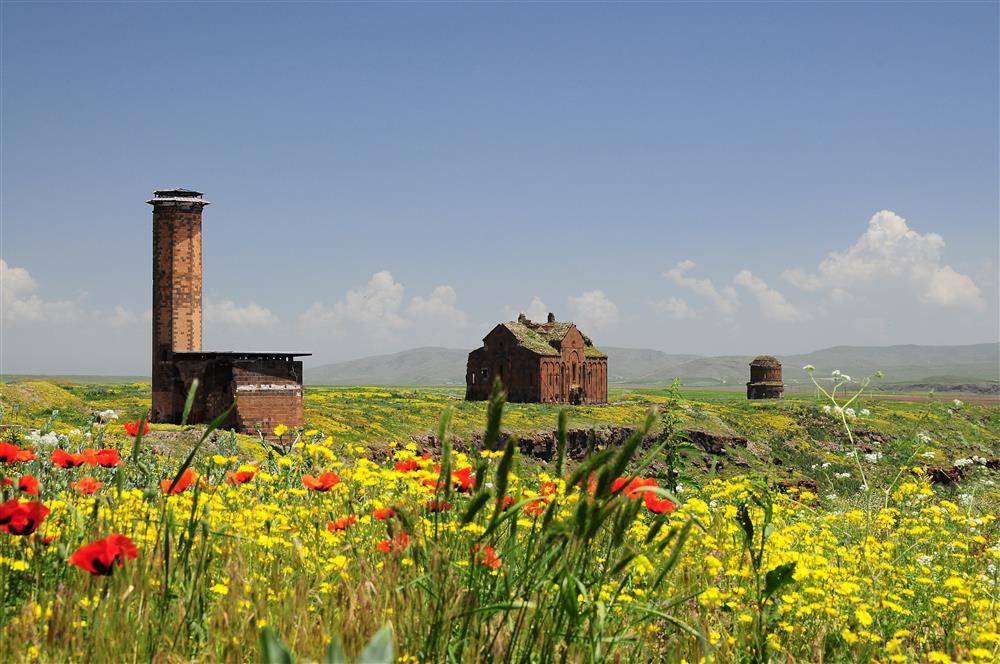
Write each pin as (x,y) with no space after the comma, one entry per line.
(958,403)
(865,412)
(928,455)
(809,368)
(963,462)
(106,415)
(827,409)
(826,464)
(842,476)
(873,457)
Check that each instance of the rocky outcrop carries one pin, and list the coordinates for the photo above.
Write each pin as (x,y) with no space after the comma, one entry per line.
(715,443)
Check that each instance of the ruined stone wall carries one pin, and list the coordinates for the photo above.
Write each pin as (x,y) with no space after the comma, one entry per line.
(269,393)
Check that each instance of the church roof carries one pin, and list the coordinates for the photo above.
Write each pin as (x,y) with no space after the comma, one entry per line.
(546,338)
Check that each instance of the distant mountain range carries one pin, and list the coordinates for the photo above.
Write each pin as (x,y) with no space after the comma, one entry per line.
(917,366)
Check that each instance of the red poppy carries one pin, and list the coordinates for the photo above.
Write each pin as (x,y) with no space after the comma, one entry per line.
(633,485)
(86,486)
(658,505)
(106,457)
(65,459)
(343,523)
(240,476)
(19,518)
(535,507)
(400,542)
(548,489)
(14,454)
(324,482)
(100,557)
(407,466)
(506,502)
(132,428)
(439,505)
(488,556)
(28,484)
(463,480)
(187,479)
(383,513)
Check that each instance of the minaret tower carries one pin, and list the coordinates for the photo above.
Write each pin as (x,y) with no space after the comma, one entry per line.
(176,291)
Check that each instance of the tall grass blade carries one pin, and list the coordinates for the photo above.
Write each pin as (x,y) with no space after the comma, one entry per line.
(215,424)
(189,402)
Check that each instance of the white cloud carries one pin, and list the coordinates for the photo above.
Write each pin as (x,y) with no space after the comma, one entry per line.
(537,310)
(121,317)
(440,304)
(675,307)
(21,304)
(376,304)
(890,250)
(773,304)
(724,300)
(593,308)
(227,312)
(378,307)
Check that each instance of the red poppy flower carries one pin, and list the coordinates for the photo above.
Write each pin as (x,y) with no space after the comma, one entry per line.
(343,523)
(132,428)
(100,557)
(187,479)
(535,507)
(658,505)
(488,556)
(28,484)
(407,466)
(240,476)
(19,518)
(86,486)
(633,486)
(14,454)
(439,505)
(548,489)
(65,459)
(383,513)
(324,482)
(400,542)
(506,502)
(106,457)
(463,480)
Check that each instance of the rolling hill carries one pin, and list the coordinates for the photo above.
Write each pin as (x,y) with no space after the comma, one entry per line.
(921,367)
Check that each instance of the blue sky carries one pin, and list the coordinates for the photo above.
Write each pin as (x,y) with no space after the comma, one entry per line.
(391,175)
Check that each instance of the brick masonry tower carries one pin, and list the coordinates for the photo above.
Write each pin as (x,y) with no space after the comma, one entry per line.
(176,290)
(266,387)
(765,378)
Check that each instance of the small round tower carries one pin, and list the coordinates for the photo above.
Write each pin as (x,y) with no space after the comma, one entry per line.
(765,378)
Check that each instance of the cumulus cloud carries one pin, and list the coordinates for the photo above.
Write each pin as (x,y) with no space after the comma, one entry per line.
(378,306)
(593,308)
(227,312)
(773,304)
(122,316)
(675,307)
(21,304)
(724,300)
(441,304)
(890,250)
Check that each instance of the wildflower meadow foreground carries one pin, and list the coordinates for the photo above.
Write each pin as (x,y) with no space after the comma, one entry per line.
(315,552)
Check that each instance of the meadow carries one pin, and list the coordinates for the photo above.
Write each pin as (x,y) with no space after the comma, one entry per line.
(405,524)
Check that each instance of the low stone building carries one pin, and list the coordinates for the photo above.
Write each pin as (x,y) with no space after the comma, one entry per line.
(268,385)
(550,362)
(765,378)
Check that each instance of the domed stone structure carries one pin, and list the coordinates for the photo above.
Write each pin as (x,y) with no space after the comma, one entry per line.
(765,378)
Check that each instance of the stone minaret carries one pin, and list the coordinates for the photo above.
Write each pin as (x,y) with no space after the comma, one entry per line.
(176,291)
